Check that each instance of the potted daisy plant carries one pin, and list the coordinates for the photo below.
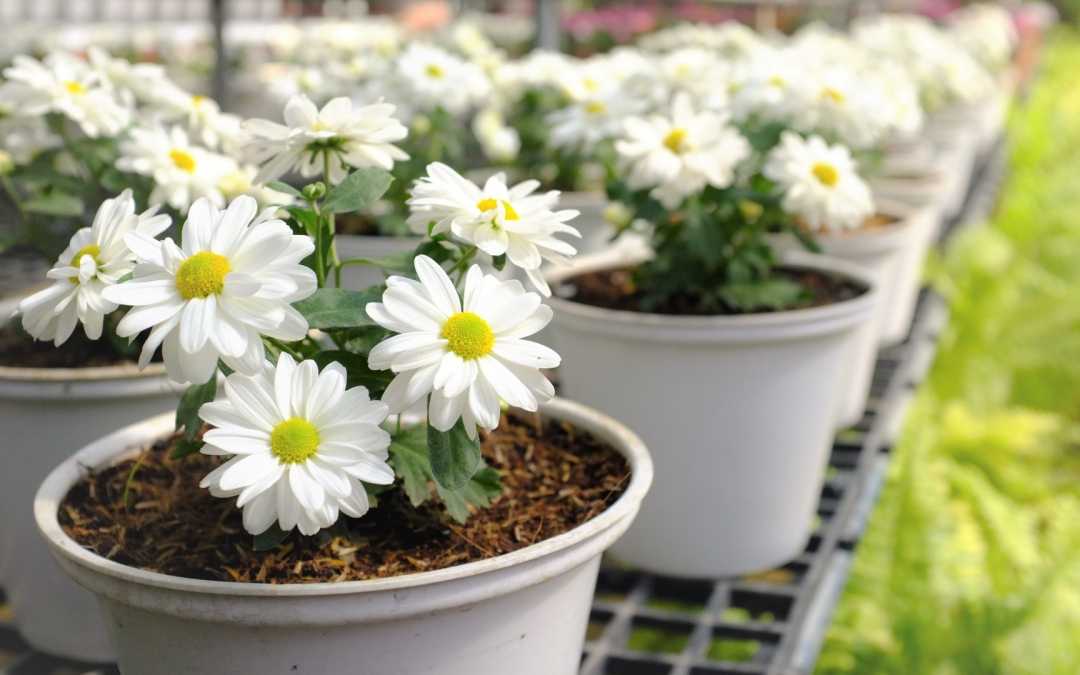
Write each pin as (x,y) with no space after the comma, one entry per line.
(87,145)
(373,479)
(729,358)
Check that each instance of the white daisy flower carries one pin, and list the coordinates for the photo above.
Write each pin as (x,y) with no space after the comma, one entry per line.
(435,78)
(97,257)
(346,137)
(234,280)
(843,106)
(678,156)
(302,446)
(766,87)
(819,182)
(131,82)
(496,218)
(467,354)
(63,84)
(590,120)
(499,141)
(241,181)
(182,171)
(24,136)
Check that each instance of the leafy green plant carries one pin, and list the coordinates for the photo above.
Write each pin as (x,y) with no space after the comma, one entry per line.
(971,563)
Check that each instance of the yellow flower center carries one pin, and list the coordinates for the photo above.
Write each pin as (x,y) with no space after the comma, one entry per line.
(294,441)
(469,335)
(92,250)
(435,70)
(675,141)
(777,81)
(202,275)
(76,88)
(834,95)
(197,100)
(591,85)
(489,204)
(595,108)
(826,174)
(183,160)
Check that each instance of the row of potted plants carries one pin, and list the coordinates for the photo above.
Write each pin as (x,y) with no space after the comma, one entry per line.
(361,432)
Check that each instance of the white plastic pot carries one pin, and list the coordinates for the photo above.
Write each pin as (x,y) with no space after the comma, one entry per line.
(892,256)
(46,415)
(362,277)
(739,412)
(524,612)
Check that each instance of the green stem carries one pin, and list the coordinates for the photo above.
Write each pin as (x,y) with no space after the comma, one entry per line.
(331,227)
(461,265)
(131,478)
(282,347)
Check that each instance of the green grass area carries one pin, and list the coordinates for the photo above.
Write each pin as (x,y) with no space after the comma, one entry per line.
(654,640)
(971,563)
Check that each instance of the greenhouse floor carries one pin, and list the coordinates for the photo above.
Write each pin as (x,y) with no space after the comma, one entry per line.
(771,623)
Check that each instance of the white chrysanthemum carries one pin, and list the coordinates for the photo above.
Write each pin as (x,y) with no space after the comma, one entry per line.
(337,136)
(767,87)
(987,32)
(204,119)
(241,181)
(24,136)
(234,280)
(302,446)
(97,257)
(842,105)
(590,120)
(499,141)
(678,156)
(436,78)
(819,183)
(63,84)
(696,71)
(182,171)
(467,354)
(132,82)
(496,218)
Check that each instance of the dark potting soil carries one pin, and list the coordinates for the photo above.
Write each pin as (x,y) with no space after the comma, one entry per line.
(19,350)
(615,289)
(555,477)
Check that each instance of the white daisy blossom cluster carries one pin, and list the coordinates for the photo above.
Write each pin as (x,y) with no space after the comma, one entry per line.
(301,446)
(232,280)
(428,77)
(677,155)
(987,32)
(335,138)
(66,85)
(97,258)
(945,71)
(183,142)
(465,351)
(819,183)
(497,219)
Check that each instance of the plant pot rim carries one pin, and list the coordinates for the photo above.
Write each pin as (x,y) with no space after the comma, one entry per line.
(132,439)
(41,382)
(739,328)
(885,238)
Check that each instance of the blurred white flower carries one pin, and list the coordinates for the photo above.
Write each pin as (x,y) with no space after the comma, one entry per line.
(96,257)
(182,171)
(819,183)
(301,446)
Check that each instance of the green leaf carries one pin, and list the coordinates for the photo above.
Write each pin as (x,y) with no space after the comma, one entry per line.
(455,458)
(55,204)
(358,191)
(283,187)
(409,457)
(499,262)
(338,308)
(306,219)
(271,539)
(187,413)
(358,372)
(185,447)
(767,294)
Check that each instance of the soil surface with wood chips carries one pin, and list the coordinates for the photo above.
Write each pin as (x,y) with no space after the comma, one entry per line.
(554,477)
(616,289)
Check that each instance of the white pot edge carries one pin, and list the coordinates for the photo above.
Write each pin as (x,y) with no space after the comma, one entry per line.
(114,579)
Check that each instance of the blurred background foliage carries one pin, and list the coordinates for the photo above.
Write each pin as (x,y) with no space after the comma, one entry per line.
(971,563)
